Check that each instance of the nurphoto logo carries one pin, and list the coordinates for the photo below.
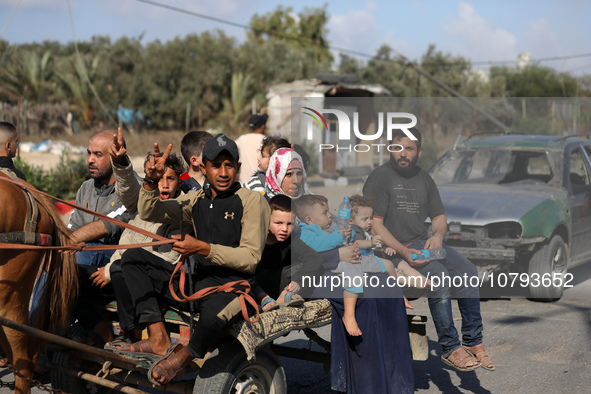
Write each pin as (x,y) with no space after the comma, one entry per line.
(344,129)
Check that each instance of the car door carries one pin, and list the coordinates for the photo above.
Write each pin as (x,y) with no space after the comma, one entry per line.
(577,178)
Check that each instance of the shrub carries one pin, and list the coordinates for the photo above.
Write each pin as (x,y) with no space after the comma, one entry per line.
(61,181)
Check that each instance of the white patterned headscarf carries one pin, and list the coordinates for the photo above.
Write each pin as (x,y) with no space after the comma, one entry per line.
(278,166)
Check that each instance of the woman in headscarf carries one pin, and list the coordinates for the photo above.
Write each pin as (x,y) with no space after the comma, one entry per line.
(381,360)
(286,174)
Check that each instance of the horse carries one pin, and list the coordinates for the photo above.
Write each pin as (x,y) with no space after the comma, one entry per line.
(18,271)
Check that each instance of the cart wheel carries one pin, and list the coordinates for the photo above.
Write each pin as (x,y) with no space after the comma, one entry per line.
(70,384)
(230,372)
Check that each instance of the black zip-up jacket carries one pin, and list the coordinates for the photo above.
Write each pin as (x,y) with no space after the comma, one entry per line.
(235,224)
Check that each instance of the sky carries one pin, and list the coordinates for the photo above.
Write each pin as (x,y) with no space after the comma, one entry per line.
(481,31)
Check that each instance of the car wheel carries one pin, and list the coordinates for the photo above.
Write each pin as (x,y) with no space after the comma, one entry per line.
(547,268)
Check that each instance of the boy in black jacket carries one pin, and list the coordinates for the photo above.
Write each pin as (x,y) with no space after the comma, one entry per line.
(230,225)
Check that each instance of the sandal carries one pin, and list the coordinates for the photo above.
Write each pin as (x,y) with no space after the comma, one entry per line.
(168,366)
(461,359)
(139,349)
(267,301)
(479,352)
(288,300)
(118,342)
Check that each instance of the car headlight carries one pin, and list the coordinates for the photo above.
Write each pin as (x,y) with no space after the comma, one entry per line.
(504,230)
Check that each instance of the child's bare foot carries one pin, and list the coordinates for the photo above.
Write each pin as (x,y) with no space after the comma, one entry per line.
(407,304)
(351,326)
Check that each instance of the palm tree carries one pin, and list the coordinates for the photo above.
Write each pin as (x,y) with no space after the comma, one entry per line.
(29,76)
(72,73)
(234,114)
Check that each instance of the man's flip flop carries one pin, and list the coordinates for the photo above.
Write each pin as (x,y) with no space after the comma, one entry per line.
(459,359)
(288,301)
(271,308)
(169,368)
(145,350)
(116,343)
(480,354)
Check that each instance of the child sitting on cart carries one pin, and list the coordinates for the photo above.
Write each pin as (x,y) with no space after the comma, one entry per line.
(318,232)
(279,273)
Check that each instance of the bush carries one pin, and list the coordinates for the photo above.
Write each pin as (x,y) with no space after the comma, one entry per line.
(61,181)
(34,174)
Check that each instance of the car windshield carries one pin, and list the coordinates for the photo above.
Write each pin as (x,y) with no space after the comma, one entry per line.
(492,166)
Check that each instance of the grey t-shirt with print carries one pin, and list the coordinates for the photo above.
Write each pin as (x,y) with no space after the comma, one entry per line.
(404,201)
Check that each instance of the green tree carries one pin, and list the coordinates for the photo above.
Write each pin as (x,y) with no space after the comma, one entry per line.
(197,69)
(72,72)
(309,32)
(234,114)
(536,81)
(27,74)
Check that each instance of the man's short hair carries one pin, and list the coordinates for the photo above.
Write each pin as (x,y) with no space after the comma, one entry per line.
(274,142)
(398,134)
(172,161)
(305,204)
(256,121)
(358,201)
(105,133)
(281,203)
(192,144)
(7,132)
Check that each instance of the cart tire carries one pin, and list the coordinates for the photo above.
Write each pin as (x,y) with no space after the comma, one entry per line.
(70,384)
(230,372)
(59,380)
(549,261)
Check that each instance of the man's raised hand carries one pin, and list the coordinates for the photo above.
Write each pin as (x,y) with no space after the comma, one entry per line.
(117,150)
(155,167)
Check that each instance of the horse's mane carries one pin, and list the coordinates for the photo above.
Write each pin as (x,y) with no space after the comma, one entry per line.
(61,286)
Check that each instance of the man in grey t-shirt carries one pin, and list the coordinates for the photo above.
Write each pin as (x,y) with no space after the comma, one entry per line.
(97,194)
(404,196)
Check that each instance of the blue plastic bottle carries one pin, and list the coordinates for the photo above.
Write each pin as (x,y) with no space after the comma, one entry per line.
(429,254)
(344,216)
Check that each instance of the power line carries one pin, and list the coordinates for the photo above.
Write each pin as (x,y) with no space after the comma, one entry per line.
(83,68)
(10,19)
(543,59)
(415,67)
(247,27)
(336,48)
(579,68)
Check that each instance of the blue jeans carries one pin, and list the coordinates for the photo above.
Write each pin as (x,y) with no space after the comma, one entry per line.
(468,298)
(97,258)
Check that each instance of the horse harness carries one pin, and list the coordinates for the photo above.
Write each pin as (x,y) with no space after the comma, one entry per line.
(28,236)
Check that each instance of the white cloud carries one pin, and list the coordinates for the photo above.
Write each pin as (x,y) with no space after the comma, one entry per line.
(371,5)
(403,47)
(355,30)
(218,8)
(418,5)
(164,24)
(477,39)
(541,40)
